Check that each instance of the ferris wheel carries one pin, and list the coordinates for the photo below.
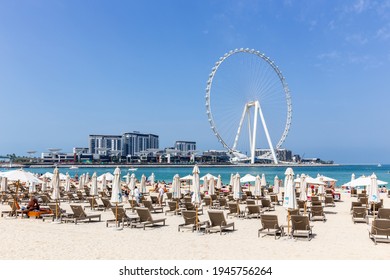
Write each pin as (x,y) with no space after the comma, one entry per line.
(243,86)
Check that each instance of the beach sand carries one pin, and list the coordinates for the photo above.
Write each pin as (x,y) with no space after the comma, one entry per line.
(336,239)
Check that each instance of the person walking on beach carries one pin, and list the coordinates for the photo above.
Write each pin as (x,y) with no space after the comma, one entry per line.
(136,194)
(160,195)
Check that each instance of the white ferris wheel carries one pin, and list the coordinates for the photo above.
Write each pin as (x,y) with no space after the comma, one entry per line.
(243,86)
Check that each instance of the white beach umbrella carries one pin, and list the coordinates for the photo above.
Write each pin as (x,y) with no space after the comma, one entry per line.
(187,178)
(94,187)
(104,182)
(276,185)
(196,184)
(326,179)
(67,182)
(31,187)
(4,184)
(44,185)
(127,178)
(289,201)
(363,181)
(219,183)
(263,181)
(205,185)
(143,184)
(247,178)
(321,189)
(237,191)
(21,175)
(47,175)
(373,190)
(208,177)
(212,187)
(176,192)
(87,179)
(231,182)
(132,181)
(107,175)
(55,184)
(151,179)
(116,196)
(81,182)
(303,187)
(257,191)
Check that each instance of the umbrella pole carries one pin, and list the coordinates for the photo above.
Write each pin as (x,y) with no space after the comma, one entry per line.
(196,216)
(288,222)
(305,207)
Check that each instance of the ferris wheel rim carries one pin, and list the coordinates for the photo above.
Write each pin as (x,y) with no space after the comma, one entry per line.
(281,79)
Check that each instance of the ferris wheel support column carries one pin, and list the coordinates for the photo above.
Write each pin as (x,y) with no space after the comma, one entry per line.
(258,108)
(253,144)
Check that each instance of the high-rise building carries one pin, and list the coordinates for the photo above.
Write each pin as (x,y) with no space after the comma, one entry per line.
(105,144)
(185,146)
(135,142)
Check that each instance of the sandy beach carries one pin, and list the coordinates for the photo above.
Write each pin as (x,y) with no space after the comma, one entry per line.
(336,239)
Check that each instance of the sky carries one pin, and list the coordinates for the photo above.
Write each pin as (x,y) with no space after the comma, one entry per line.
(73,68)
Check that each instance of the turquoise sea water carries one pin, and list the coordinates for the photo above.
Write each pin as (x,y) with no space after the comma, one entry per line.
(342,173)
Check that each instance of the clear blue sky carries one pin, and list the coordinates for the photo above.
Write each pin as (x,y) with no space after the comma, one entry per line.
(73,68)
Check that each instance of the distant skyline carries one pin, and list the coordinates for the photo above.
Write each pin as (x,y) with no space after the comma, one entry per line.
(73,68)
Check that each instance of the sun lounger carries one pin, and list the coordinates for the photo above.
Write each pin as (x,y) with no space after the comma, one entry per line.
(317,213)
(253,211)
(148,204)
(191,206)
(80,215)
(218,221)
(267,205)
(270,225)
(191,220)
(359,214)
(57,213)
(300,227)
(355,204)
(353,192)
(380,230)
(121,217)
(145,218)
(174,208)
(250,202)
(274,199)
(384,213)
(329,201)
(234,210)
(94,205)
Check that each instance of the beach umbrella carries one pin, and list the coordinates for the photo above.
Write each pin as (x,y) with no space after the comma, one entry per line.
(257,191)
(196,185)
(363,181)
(47,175)
(247,178)
(152,179)
(44,185)
(104,182)
(107,175)
(132,181)
(208,177)
(4,184)
(21,176)
(237,190)
(94,189)
(87,179)
(67,182)
(143,184)
(219,183)
(205,185)
(303,187)
(55,184)
(373,191)
(127,178)
(81,182)
(231,182)
(276,184)
(31,187)
(116,196)
(263,181)
(212,187)
(176,193)
(289,201)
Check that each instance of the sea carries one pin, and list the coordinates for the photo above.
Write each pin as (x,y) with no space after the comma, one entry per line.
(342,173)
